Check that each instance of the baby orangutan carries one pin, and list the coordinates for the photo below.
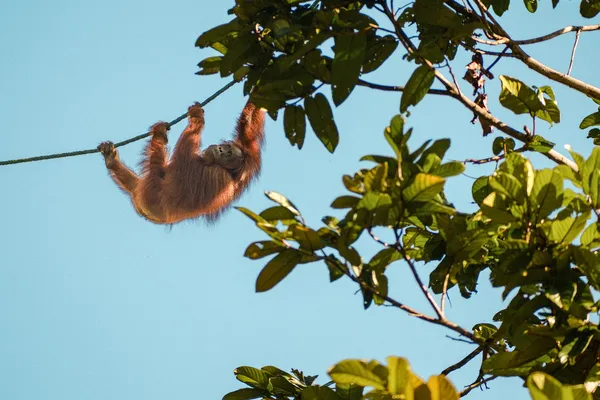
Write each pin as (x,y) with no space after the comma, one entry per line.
(191,183)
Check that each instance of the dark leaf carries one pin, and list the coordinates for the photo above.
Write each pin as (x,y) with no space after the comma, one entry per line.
(217,33)
(531,5)
(245,394)
(262,249)
(277,269)
(590,120)
(321,120)
(378,52)
(417,87)
(349,56)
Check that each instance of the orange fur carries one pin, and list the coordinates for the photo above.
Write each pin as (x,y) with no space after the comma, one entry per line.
(188,186)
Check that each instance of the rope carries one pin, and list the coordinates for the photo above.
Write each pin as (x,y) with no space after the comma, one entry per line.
(123,143)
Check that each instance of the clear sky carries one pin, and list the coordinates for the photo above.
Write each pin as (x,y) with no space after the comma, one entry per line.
(97,303)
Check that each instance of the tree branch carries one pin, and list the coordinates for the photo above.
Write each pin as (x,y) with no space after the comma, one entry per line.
(463,362)
(423,288)
(534,64)
(387,88)
(489,118)
(494,158)
(573,52)
(475,385)
(411,311)
(552,35)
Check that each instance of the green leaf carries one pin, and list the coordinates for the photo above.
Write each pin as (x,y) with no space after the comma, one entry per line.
(250,214)
(518,97)
(321,120)
(540,144)
(452,168)
(318,393)
(481,189)
(384,258)
(417,87)
(274,371)
(277,213)
(589,8)
(498,145)
(590,120)
(345,202)
(567,229)
(429,208)
(210,65)
(244,394)
(277,269)
(547,192)
(507,184)
(591,235)
(494,207)
(294,124)
(372,201)
(236,56)
(355,372)
(424,187)
(306,237)
(531,5)
(594,134)
(500,6)
(544,387)
(440,388)
(349,56)
(378,52)
(252,377)
(349,391)
(591,165)
(241,73)
(485,331)
(262,249)
(283,201)
(312,43)
(399,380)
(280,385)
(217,33)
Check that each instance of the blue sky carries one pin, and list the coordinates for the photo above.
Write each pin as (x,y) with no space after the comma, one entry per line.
(96,303)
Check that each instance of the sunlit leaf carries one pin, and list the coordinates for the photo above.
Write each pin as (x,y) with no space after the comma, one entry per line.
(355,372)
(518,97)
(424,187)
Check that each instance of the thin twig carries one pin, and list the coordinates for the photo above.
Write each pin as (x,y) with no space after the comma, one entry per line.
(494,158)
(502,54)
(423,288)
(411,311)
(453,77)
(552,35)
(387,88)
(375,238)
(445,293)
(573,52)
(463,362)
(474,385)
(460,340)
